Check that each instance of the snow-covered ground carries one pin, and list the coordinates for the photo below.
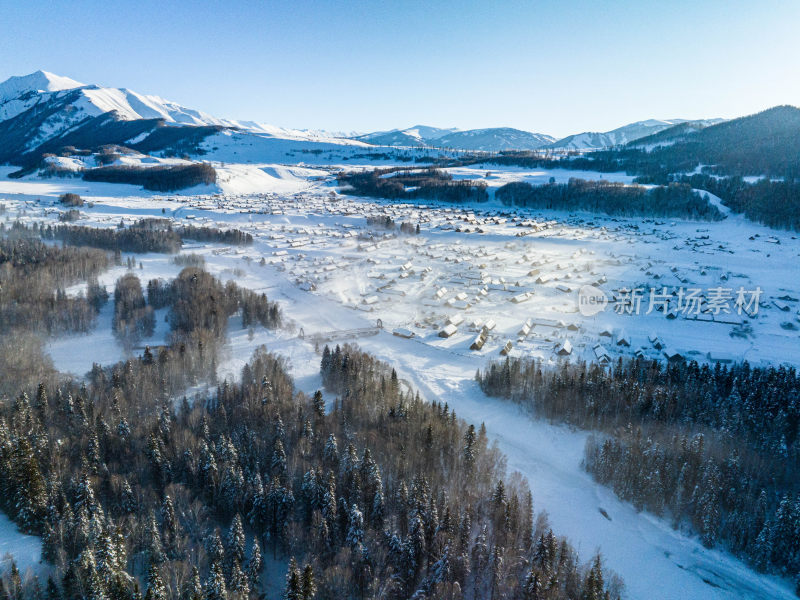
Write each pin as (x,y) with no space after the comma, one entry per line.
(25,550)
(314,253)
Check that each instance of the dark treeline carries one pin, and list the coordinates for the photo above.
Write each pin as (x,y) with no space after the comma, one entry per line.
(716,448)
(128,239)
(212,234)
(411,184)
(134,492)
(673,200)
(167,178)
(773,203)
(33,276)
(146,235)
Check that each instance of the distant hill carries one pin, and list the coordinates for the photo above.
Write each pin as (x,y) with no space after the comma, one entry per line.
(763,144)
(621,135)
(493,139)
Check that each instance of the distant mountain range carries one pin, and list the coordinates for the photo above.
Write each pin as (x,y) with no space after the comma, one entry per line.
(624,135)
(43,113)
(493,139)
(498,139)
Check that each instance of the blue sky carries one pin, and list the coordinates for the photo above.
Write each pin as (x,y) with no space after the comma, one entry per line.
(556,67)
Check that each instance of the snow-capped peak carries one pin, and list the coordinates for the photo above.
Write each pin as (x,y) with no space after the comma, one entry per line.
(39,81)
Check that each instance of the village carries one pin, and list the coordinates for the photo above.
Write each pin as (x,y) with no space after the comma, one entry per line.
(488,281)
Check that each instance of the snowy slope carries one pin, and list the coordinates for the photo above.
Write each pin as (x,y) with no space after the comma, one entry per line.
(43,112)
(18,94)
(25,549)
(656,561)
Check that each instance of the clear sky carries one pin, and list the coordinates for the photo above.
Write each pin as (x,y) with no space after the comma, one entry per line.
(556,66)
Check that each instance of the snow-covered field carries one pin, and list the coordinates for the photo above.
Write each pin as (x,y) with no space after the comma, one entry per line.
(482,265)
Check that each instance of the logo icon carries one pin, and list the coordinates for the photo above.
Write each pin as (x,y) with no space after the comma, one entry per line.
(591,300)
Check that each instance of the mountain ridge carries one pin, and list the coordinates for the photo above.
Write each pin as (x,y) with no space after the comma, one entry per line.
(43,111)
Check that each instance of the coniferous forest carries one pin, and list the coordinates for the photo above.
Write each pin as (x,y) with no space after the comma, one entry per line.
(714,449)
(412,184)
(673,200)
(253,489)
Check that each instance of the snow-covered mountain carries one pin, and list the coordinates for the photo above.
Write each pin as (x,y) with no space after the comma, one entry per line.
(493,139)
(416,136)
(43,112)
(626,134)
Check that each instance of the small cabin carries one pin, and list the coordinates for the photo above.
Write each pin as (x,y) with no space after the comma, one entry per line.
(448,330)
(565,348)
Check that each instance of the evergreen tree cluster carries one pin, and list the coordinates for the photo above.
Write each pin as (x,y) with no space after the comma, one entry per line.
(715,448)
(774,203)
(412,184)
(235,237)
(146,235)
(126,239)
(136,495)
(673,200)
(163,178)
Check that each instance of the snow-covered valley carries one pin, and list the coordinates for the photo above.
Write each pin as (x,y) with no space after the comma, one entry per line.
(512,273)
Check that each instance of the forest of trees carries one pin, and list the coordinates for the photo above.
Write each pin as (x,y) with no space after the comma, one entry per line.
(138,495)
(166,178)
(146,235)
(773,203)
(126,239)
(716,448)
(411,185)
(673,200)
(33,277)
(765,144)
(236,237)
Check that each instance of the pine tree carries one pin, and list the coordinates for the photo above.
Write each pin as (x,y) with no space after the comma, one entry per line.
(255,565)
(319,404)
(307,584)
(215,585)
(193,589)
(294,584)
(155,585)
(52,591)
(170,527)
(240,586)
(593,587)
(236,540)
